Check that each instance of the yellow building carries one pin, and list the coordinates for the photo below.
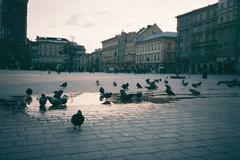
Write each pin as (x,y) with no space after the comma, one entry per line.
(109,54)
(147,50)
(156,53)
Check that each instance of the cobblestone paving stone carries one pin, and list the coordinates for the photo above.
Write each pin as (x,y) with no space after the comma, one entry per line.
(204,128)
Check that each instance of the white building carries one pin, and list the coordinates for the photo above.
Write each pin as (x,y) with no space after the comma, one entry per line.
(49,53)
(156,53)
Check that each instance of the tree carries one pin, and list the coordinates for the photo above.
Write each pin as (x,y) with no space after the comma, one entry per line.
(71,51)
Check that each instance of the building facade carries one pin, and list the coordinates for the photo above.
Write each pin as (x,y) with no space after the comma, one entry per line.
(52,53)
(156,53)
(126,51)
(96,57)
(228,41)
(109,54)
(119,52)
(13,34)
(49,53)
(74,56)
(84,62)
(1,10)
(207,39)
(197,40)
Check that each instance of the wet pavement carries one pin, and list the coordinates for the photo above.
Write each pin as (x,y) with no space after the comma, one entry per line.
(159,127)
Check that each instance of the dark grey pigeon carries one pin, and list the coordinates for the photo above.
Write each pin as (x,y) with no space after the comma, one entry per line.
(64,85)
(77,119)
(43,100)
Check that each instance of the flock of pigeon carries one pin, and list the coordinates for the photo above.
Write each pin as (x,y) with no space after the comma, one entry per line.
(150,86)
(58,99)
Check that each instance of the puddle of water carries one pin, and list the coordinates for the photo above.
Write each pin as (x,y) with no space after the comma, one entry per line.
(85,99)
(90,104)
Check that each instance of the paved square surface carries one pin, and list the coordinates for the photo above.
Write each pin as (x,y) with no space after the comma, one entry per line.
(204,128)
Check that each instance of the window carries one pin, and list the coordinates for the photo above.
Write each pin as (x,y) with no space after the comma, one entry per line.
(208,14)
(228,17)
(214,12)
(221,19)
(228,3)
(169,45)
(222,5)
(200,17)
(207,37)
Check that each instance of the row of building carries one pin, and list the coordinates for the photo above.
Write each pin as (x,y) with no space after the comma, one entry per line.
(148,50)
(207,39)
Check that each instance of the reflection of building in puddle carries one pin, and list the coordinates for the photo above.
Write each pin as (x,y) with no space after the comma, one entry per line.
(16,103)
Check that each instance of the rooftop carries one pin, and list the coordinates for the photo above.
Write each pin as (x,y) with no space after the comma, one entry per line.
(52,39)
(198,10)
(159,35)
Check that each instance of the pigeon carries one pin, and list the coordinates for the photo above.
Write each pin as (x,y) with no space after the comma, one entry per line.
(168,86)
(165,81)
(58,94)
(138,94)
(97,83)
(125,86)
(147,81)
(194,85)
(194,92)
(170,92)
(27,98)
(58,101)
(105,95)
(77,119)
(183,81)
(197,84)
(185,84)
(139,85)
(232,83)
(64,85)
(125,97)
(151,87)
(29,91)
(64,99)
(114,84)
(43,100)
(128,97)
(101,90)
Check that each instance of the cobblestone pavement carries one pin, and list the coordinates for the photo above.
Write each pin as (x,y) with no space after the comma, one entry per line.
(206,127)
(202,128)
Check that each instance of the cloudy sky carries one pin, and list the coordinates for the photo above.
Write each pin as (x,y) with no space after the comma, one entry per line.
(88,22)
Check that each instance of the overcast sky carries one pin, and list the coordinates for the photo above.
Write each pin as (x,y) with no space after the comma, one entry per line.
(88,22)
